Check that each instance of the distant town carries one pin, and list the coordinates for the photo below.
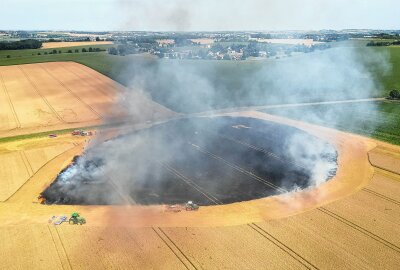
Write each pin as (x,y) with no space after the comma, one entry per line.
(234,46)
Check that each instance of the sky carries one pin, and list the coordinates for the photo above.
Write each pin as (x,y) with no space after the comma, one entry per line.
(199,15)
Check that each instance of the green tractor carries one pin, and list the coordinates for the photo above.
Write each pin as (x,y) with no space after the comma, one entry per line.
(76,219)
(190,206)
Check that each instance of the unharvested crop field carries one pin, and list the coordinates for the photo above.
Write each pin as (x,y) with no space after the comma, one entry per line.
(61,95)
(51,96)
(20,160)
(52,45)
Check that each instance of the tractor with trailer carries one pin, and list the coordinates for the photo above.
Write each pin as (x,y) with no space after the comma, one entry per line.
(189,206)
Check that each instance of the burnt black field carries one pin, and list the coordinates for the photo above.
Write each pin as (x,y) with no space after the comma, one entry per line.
(217,160)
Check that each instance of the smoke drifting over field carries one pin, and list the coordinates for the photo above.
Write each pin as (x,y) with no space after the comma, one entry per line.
(208,160)
(335,74)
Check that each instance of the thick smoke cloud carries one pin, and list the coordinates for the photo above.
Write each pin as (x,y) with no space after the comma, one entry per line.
(193,86)
(196,86)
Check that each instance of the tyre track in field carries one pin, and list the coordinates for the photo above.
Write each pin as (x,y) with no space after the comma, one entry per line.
(83,80)
(360,229)
(174,248)
(72,93)
(16,119)
(60,248)
(239,169)
(127,199)
(384,197)
(27,164)
(12,195)
(110,96)
(260,149)
(191,183)
(307,264)
(43,97)
(322,209)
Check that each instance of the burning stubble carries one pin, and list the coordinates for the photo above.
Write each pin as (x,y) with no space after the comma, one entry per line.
(211,161)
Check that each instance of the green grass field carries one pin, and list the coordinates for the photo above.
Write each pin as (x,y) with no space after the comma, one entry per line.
(31,55)
(379,120)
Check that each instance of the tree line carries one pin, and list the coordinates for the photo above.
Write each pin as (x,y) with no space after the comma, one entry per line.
(382,43)
(21,44)
(394,94)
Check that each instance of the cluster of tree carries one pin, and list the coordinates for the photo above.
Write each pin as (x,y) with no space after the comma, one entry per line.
(20,45)
(92,50)
(382,43)
(181,41)
(141,40)
(261,35)
(84,50)
(125,49)
(394,94)
(387,36)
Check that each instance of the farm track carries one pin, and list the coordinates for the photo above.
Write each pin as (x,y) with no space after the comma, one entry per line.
(237,168)
(381,196)
(71,92)
(385,169)
(307,264)
(174,248)
(43,97)
(360,229)
(392,175)
(286,105)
